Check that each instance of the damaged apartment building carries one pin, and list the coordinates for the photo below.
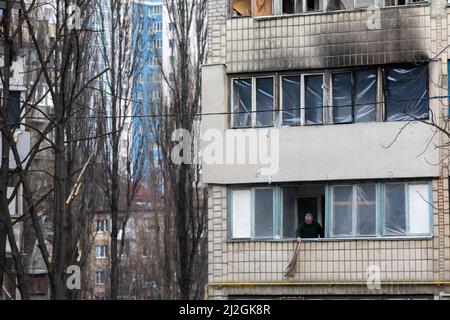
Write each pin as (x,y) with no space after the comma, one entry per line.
(350,94)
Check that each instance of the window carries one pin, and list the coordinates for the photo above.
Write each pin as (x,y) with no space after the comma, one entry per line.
(264,102)
(406,93)
(242,8)
(248,111)
(292,6)
(100,277)
(354,210)
(13,109)
(291,100)
(314,99)
(407,209)
(102,225)
(252,212)
(354,96)
(101,252)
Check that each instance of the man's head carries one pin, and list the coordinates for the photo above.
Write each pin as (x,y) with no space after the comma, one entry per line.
(309,218)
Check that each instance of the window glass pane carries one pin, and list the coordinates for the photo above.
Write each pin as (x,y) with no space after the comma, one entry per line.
(242,8)
(13,115)
(314,99)
(342,98)
(407,93)
(366,217)
(394,209)
(242,103)
(264,213)
(365,95)
(342,210)
(264,102)
(419,209)
(241,209)
(289,213)
(291,100)
(314,5)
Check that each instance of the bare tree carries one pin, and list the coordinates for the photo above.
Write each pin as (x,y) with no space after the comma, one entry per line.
(185,196)
(120,47)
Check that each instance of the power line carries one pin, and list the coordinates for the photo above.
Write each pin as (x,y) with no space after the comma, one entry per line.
(173,115)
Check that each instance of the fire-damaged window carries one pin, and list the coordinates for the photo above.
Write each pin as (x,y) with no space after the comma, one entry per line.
(242,103)
(292,6)
(406,93)
(354,96)
(314,99)
(291,100)
(242,8)
(253,102)
(252,213)
(407,209)
(302,111)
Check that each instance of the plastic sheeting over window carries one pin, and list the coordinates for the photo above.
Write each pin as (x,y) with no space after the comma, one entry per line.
(242,103)
(264,102)
(406,93)
(342,98)
(342,210)
(365,95)
(264,213)
(314,99)
(354,210)
(419,209)
(291,100)
(354,96)
(366,210)
(394,209)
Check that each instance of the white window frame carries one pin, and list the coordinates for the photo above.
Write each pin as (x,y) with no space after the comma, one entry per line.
(97,282)
(303,100)
(103,253)
(252,214)
(253,114)
(407,209)
(354,211)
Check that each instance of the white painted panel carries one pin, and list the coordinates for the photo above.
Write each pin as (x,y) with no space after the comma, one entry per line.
(419,209)
(242,212)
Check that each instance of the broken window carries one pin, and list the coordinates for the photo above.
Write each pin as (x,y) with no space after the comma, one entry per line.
(252,213)
(313,99)
(262,8)
(406,93)
(242,8)
(264,102)
(340,5)
(289,212)
(290,100)
(354,210)
(292,6)
(354,96)
(242,103)
(248,112)
(407,209)
(342,97)
(314,5)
